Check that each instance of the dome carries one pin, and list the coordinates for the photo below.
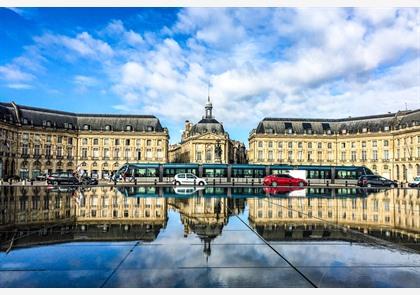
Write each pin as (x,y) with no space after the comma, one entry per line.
(207,126)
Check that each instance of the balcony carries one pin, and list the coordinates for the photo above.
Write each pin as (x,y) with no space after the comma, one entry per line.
(70,158)
(59,157)
(25,156)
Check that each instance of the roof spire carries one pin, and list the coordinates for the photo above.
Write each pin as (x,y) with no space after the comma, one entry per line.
(208,92)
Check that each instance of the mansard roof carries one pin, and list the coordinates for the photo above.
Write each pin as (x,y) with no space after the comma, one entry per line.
(349,125)
(40,117)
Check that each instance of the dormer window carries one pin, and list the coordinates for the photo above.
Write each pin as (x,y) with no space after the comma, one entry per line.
(48,124)
(344,131)
(128,128)
(86,127)
(289,128)
(149,128)
(66,125)
(329,131)
(70,126)
(108,127)
(25,121)
(364,130)
(386,128)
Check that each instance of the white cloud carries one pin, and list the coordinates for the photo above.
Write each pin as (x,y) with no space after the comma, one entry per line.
(14,73)
(260,63)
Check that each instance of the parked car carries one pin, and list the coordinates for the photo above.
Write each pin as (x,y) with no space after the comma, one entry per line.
(86,180)
(283,180)
(415,182)
(41,177)
(62,178)
(13,177)
(188,179)
(375,180)
(187,190)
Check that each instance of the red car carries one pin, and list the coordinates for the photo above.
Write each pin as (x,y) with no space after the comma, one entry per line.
(283,180)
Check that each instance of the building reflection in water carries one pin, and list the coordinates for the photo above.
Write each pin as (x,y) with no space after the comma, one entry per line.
(32,216)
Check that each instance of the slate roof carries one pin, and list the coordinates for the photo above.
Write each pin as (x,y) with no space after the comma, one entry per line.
(207,125)
(40,117)
(351,125)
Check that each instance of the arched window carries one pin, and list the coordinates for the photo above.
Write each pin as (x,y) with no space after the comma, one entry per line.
(108,127)
(86,127)
(128,128)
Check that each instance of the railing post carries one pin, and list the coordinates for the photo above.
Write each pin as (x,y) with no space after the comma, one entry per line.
(328,183)
(214,182)
(233,181)
(252,182)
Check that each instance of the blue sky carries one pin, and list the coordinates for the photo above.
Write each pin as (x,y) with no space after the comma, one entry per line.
(259,62)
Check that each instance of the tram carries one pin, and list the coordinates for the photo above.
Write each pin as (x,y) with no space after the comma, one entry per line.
(239,173)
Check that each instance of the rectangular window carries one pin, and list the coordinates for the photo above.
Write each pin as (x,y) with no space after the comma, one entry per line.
(364,156)
(116,153)
(375,155)
(386,155)
(59,151)
(290,156)
(374,143)
(260,155)
(270,144)
(127,154)
(84,153)
(160,154)
(279,155)
(37,150)
(95,153)
(353,156)
(260,144)
(343,156)
(25,149)
(127,142)
(59,139)
(95,141)
(117,141)
(106,153)
(48,150)
(148,153)
(270,156)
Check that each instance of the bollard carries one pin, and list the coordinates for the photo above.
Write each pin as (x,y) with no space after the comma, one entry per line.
(402,184)
(32,182)
(155,182)
(252,182)
(214,182)
(346,183)
(135,181)
(233,181)
(309,183)
(194,182)
(246,180)
(10,181)
(328,183)
(220,180)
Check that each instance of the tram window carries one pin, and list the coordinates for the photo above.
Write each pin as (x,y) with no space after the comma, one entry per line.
(220,172)
(258,173)
(209,172)
(237,173)
(151,172)
(248,173)
(140,172)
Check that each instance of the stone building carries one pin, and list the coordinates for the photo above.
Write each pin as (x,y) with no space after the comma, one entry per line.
(388,144)
(35,141)
(207,142)
(392,211)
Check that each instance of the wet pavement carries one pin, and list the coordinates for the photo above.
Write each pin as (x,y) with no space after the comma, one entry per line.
(212,237)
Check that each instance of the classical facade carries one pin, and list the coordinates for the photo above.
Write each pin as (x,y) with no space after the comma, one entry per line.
(388,144)
(207,142)
(35,141)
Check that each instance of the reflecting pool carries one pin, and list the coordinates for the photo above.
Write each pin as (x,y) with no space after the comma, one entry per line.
(209,237)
